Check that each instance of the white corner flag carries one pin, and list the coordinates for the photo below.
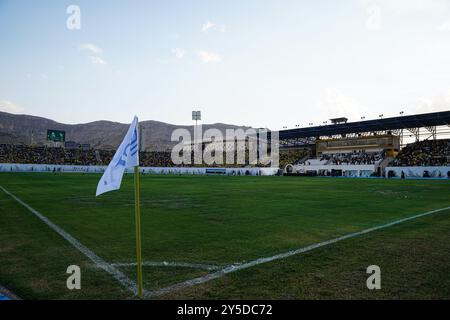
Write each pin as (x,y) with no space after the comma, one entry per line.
(127,155)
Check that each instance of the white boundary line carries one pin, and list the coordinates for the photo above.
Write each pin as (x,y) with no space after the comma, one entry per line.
(99,262)
(208,267)
(234,268)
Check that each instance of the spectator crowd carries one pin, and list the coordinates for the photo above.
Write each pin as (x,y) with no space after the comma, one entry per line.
(68,156)
(424,153)
(45,155)
(292,156)
(353,158)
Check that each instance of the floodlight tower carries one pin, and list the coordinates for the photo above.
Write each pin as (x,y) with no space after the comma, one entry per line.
(196,115)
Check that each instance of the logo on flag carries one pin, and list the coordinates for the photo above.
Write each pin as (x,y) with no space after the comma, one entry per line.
(126,156)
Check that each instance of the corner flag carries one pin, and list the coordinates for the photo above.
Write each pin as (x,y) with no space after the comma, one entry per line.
(127,155)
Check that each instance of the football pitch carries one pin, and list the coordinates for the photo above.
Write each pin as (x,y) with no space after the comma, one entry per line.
(236,236)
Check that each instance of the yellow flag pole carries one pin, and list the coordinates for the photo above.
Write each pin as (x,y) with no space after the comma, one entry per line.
(138,231)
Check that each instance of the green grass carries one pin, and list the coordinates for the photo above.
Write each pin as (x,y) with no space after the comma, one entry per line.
(224,220)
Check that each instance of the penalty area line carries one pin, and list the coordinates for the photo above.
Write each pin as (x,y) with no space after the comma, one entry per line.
(237,267)
(99,262)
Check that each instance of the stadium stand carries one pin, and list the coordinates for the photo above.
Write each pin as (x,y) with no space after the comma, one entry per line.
(296,136)
(293,156)
(69,156)
(424,153)
(370,150)
(49,155)
(22,154)
(353,158)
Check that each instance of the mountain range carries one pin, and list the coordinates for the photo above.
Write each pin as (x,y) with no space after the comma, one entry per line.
(155,135)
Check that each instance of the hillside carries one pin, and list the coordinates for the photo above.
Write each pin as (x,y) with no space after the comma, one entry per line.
(155,135)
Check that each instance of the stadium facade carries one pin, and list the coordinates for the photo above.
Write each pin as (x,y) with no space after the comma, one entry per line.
(370,148)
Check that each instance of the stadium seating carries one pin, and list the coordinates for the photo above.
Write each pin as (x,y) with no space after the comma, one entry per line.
(45,155)
(353,158)
(292,156)
(425,153)
(315,162)
(69,156)
(350,158)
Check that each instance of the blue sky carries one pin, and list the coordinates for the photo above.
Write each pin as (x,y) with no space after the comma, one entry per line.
(250,62)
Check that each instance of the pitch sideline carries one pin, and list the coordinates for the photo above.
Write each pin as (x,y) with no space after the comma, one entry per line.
(99,262)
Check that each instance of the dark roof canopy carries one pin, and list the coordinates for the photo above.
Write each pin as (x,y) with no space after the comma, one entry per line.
(403,122)
(339,120)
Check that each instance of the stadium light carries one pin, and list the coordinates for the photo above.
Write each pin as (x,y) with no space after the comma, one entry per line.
(196,115)
(381,116)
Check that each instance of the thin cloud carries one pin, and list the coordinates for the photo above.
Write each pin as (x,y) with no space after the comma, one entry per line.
(178,53)
(438,102)
(90,47)
(334,103)
(8,106)
(94,53)
(97,60)
(208,25)
(208,57)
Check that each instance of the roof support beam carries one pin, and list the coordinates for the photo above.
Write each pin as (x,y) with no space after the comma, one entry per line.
(432,130)
(415,132)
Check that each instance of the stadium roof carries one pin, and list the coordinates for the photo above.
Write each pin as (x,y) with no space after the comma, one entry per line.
(403,122)
(339,120)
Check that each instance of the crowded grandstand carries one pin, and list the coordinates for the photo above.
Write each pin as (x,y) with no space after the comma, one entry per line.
(373,148)
(93,157)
